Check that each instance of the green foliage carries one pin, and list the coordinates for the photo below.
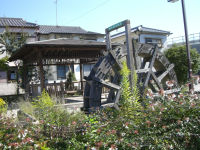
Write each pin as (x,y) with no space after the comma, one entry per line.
(167,122)
(44,101)
(130,96)
(170,123)
(3,106)
(70,78)
(10,41)
(178,56)
(4,63)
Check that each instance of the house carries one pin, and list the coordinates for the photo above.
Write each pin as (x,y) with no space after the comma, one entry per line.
(36,33)
(144,35)
(18,27)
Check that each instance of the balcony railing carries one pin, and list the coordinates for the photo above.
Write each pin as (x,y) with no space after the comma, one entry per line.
(193,38)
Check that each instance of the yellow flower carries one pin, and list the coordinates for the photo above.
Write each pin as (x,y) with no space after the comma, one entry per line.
(2,102)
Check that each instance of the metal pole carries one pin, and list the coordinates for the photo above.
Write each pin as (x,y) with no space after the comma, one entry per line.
(187,46)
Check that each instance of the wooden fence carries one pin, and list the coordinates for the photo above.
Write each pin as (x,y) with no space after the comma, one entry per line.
(56,89)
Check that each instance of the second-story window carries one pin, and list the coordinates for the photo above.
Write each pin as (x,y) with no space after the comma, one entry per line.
(153,41)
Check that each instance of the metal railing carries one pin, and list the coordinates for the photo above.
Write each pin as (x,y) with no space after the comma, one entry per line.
(193,38)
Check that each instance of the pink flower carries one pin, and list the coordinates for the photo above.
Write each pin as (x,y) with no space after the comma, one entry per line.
(99,131)
(170,83)
(136,132)
(113,147)
(28,120)
(179,122)
(148,123)
(14,144)
(192,104)
(99,144)
(126,124)
(73,122)
(113,131)
(161,92)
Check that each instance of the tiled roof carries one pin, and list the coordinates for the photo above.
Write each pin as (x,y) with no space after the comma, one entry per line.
(142,29)
(46,29)
(145,29)
(15,22)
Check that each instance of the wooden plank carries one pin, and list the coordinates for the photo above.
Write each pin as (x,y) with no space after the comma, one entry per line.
(143,70)
(158,83)
(166,72)
(107,84)
(150,67)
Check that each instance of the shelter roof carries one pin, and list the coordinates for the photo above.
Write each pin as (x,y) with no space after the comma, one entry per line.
(59,49)
(65,41)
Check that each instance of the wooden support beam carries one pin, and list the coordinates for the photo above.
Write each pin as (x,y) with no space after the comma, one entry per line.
(25,79)
(166,72)
(150,67)
(41,71)
(81,74)
(158,83)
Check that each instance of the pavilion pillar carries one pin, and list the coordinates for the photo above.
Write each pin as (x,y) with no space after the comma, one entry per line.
(41,72)
(25,81)
(81,74)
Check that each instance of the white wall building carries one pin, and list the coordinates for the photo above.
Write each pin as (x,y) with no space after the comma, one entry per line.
(144,35)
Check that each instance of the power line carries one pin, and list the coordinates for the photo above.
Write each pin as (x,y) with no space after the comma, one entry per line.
(89,11)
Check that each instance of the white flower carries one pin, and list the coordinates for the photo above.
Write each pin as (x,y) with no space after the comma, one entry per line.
(123,134)
(173,95)
(113,148)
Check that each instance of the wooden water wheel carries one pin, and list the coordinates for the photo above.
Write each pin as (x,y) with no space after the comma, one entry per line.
(152,67)
(153,70)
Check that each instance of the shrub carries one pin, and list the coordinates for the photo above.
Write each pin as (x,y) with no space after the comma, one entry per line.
(178,56)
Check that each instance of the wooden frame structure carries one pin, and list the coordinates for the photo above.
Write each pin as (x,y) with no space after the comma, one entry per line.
(57,52)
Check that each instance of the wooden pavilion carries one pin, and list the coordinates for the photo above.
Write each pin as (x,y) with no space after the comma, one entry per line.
(57,52)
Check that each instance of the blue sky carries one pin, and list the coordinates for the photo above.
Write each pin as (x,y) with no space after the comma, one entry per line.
(96,15)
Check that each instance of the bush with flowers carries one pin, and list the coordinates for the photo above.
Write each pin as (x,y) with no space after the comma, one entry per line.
(163,122)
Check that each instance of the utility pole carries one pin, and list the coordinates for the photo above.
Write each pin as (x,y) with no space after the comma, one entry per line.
(187,43)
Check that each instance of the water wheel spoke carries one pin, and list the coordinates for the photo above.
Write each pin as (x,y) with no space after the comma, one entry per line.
(158,83)
(166,72)
(112,91)
(150,68)
(108,84)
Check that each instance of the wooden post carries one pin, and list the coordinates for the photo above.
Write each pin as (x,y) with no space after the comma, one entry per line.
(81,75)
(130,59)
(41,72)
(25,80)
(62,92)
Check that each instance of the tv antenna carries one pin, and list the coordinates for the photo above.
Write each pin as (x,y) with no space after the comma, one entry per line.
(56,13)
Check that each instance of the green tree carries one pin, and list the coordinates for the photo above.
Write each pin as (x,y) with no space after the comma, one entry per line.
(4,63)
(178,56)
(9,43)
